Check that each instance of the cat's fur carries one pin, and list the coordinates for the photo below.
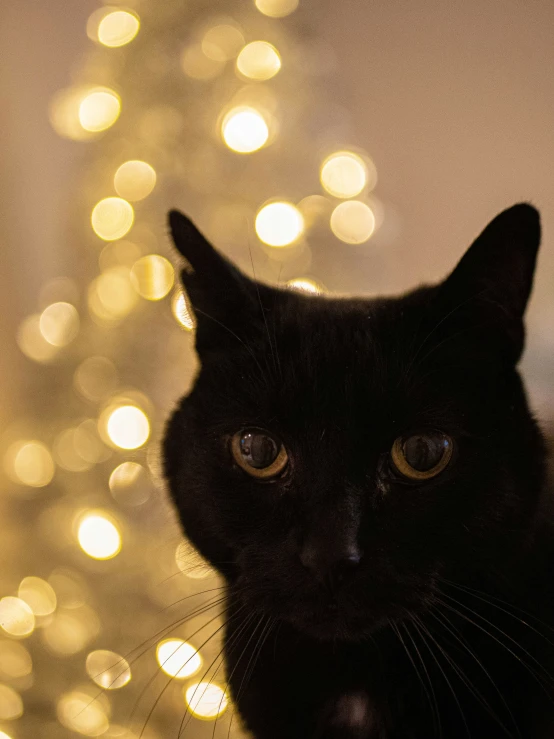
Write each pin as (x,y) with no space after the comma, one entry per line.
(444,628)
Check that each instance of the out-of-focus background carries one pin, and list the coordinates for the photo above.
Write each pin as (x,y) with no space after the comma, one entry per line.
(348,146)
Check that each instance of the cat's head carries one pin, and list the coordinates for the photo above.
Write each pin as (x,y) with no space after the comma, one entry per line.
(337,457)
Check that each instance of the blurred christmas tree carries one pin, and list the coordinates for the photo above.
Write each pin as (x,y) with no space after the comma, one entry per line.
(223,109)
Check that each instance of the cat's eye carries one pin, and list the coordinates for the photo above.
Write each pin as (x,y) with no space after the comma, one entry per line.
(259,453)
(423,455)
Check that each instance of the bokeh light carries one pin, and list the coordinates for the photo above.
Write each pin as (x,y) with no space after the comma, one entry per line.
(181,310)
(71,630)
(15,660)
(111,295)
(112,218)
(152,277)
(113,27)
(130,484)
(31,341)
(64,113)
(190,562)
(128,427)
(59,324)
(353,222)
(95,378)
(244,130)
(108,669)
(3,735)
(305,284)
(99,537)
(39,595)
(134,180)
(99,109)
(16,617)
(206,700)
(178,658)
(80,712)
(11,705)
(29,463)
(344,174)
(279,224)
(259,60)
(276,8)
(198,66)
(222,42)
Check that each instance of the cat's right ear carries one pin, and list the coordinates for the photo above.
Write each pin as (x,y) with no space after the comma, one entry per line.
(227,304)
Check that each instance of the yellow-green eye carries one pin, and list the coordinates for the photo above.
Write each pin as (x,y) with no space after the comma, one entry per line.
(259,453)
(422,456)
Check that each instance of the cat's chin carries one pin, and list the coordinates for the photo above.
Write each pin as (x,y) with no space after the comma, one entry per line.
(332,624)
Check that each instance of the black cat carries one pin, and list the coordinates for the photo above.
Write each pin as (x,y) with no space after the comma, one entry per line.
(368,479)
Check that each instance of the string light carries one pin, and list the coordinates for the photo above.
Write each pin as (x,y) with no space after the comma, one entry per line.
(15,661)
(178,658)
(134,180)
(259,60)
(276,8)
(16,617)
(244,130)
(108,669)
(152,277)
(83,713)
(11,705)
(305,284)
(99,537)
(128,427)
(353,222)
(181,311)
(112,218)
(99,109)
(29,463)
(113,28)
(129,484)
(206,700)
(344,174)
(39,595)
(59,324)
(279,224)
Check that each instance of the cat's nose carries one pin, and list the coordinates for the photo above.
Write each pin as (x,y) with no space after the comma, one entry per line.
(331,566)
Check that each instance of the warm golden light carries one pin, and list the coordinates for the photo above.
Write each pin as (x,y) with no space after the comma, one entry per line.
(178,658)
(305,284)
(16,617)
(206,700)
(222,42)
(353,222)
(112,218)
(259,60)
(39,595)
(279,224)
(190,562)
(118,28)
(95,378)
(181,311)
(276,8)
(99,109)
(59,324)
(111,295)
(152,277)
(128,427)
(29,463)
(11,705)
(78,711)
(15,660)
(64,113)
(108,669)
(197,65)
(99,537)
(344,174)
(134,180)
(31,341)
(71,630)
(244,130)
(130,484)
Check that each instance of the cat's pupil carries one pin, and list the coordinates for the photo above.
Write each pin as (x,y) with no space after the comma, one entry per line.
(424,451)
(258,449)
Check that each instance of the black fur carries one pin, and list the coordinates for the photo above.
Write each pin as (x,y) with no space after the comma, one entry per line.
(444,628)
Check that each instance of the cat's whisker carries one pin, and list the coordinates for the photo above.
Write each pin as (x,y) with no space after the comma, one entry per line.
(500,643)
(462,676)
(432,703)
(443,620)
(437,662)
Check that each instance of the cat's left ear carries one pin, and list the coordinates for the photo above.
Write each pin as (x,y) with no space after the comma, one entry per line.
(227,304)
(493,280)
